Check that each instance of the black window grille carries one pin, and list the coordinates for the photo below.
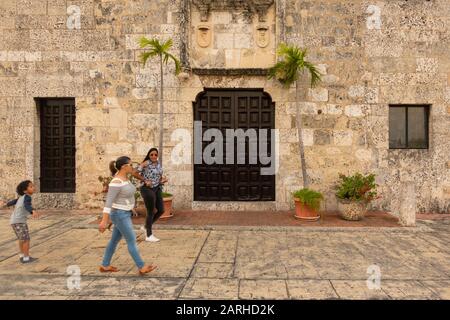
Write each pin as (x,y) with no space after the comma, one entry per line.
(408,126)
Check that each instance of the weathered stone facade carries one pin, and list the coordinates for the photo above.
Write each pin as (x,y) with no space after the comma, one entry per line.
(372,54)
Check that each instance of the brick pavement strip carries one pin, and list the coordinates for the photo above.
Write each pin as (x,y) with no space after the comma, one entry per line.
(198,263)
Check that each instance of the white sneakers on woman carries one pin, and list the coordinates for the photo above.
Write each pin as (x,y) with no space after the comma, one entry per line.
(152,238)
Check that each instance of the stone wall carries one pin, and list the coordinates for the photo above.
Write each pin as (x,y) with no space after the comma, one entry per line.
(366,65)
(232,39)
(402,58)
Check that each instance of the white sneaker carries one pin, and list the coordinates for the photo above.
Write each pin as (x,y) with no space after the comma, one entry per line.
(152,238)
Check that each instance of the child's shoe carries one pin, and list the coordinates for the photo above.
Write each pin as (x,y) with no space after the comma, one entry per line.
(28,259)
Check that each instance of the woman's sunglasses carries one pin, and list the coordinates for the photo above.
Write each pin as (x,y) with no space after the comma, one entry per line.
(134,165)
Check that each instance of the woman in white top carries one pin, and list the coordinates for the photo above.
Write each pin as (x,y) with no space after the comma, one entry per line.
(119,203)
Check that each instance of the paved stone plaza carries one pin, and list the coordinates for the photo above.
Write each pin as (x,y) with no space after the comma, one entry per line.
(230,263)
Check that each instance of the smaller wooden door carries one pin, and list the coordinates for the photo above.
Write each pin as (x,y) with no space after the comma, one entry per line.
(57,145)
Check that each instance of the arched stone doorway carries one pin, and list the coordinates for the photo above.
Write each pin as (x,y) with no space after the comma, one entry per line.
(224,109)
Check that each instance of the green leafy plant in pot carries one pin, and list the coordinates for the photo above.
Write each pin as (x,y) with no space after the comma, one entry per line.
(139,205)
(354,194)
(307,204)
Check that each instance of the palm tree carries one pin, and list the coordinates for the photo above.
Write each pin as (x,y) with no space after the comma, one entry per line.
(288,71)
(160,50)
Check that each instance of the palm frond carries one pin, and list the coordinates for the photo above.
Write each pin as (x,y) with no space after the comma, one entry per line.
(292,63)
(144,56)
(167,45)
(145,42)
(156,48)
(175,61)
(316,76)
(278,72)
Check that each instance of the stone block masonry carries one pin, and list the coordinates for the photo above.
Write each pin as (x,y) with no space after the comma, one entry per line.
(370,54)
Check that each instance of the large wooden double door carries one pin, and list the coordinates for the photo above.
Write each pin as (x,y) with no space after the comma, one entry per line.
(234,109)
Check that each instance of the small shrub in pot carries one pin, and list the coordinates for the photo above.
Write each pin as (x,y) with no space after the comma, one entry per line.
(307,204)
(354,193)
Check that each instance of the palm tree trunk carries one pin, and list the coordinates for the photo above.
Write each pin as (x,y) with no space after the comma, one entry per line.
(161,112)
(301,146)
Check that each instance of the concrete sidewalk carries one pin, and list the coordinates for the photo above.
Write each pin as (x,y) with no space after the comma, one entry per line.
(233,263)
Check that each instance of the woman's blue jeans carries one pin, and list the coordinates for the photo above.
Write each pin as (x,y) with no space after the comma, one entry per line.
(123,227)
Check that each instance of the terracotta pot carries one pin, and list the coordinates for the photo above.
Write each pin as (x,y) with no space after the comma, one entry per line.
(304,212)
(167,208)
(352,210)
(141,209)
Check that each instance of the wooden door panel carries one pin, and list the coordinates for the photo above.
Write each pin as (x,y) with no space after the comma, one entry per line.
(233,109)
(57,145)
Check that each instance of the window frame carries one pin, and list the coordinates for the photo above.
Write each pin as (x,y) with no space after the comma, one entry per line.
(427,108)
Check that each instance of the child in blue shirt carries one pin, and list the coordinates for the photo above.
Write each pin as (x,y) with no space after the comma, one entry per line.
(22,210)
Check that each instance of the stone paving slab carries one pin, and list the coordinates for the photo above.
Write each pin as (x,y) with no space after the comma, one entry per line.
(49,286)
(41,230)
(310,289)
(229,264)
(440,288)
(85,248)
(213,270)
(421,227)
(410,290)
(211,289)
(56,286)
(357,290)
(34,298)
(263,289)
(7,234)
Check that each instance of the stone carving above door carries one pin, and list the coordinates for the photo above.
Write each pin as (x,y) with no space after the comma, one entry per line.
(260,7)
(262,36)
(203,35)
(232,34)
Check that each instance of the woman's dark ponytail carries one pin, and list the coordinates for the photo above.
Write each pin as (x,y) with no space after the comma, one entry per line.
(115,166)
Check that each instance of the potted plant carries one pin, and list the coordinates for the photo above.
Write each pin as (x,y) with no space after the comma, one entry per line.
(307,204)
(354,193)
(105,181)
(167,198)
(139,207)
